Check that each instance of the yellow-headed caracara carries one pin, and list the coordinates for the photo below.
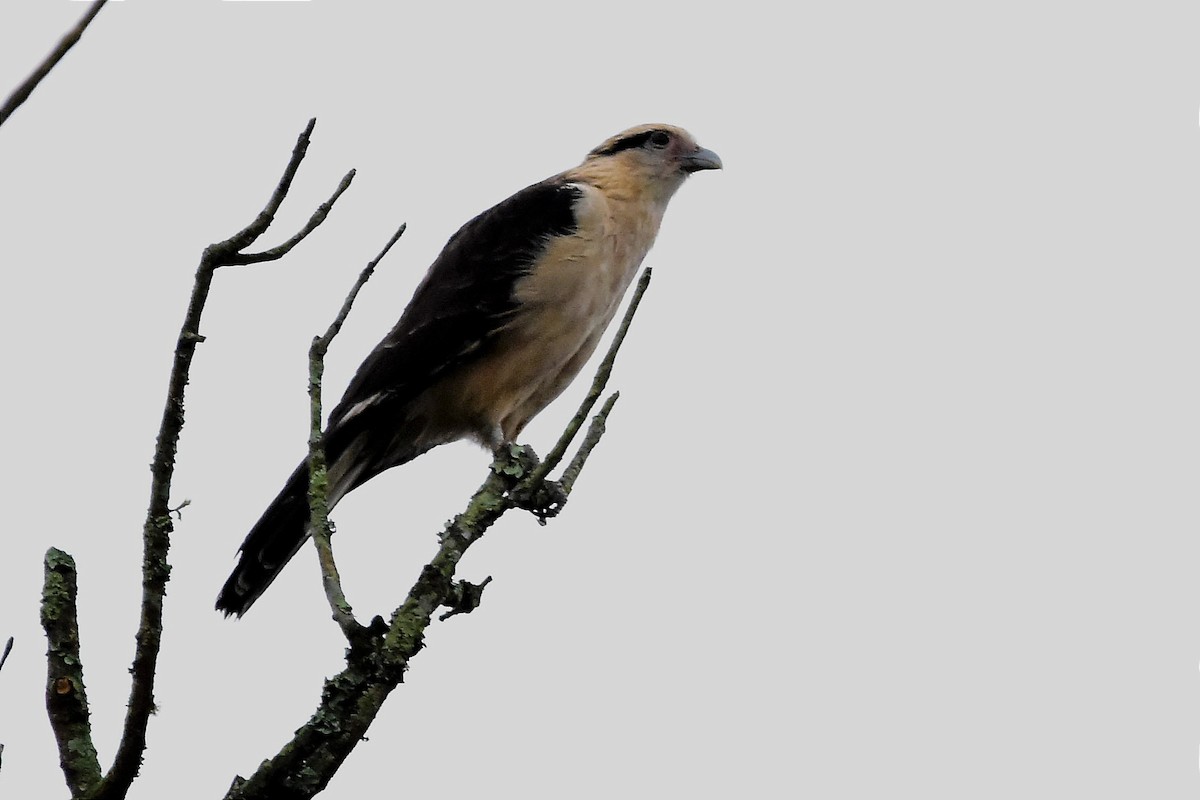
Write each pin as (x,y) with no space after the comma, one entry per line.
(508,313)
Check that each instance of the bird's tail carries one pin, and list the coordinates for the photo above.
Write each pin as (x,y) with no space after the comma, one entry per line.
(271,543)
(283,528)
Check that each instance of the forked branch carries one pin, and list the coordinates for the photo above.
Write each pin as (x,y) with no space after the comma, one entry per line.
(379,656)
(68,708)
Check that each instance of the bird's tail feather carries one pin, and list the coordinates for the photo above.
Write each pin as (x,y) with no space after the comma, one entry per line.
(271,543)
(284,527)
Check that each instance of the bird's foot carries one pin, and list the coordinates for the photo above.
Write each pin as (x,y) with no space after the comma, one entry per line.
(518,462)
(543,501)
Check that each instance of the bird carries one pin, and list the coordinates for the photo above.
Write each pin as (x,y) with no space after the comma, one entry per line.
(502,321)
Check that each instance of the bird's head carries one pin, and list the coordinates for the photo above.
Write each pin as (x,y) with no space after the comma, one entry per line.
(659,157)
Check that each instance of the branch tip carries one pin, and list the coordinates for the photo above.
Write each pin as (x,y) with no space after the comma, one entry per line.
(158,526)
(22,92)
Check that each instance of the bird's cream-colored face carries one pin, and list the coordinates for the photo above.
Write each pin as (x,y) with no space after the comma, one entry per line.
(661,155)
(660,148)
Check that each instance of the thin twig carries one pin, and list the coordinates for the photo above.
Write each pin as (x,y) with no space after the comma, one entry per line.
(314,221)
(590,440)
(318,483)
(22,92)
(4,657)
(339,606)
(159,526)
(247,236)
(363,277)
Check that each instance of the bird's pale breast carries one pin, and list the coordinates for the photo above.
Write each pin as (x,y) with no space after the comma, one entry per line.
(566,302)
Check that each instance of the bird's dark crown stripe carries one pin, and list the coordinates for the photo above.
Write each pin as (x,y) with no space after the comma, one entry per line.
(628,143)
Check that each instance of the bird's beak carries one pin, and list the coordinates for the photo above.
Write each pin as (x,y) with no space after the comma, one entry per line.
(703,158)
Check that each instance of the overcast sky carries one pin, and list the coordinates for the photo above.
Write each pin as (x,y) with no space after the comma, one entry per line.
(900,495)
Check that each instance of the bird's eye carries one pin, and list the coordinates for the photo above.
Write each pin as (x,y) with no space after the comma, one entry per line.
(660,139)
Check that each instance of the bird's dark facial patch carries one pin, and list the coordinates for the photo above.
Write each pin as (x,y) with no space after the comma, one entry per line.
(654,139)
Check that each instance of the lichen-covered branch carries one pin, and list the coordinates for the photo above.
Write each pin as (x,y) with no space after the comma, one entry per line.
(157,530)
(318,485)
(22,92)
(351,700)
(66,697)
(379,656)
(73,730)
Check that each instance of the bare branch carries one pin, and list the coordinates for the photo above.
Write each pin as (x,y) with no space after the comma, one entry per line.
(22,92)
(352,698)
(377,660)
(4,657)
(331,580)
(248,235)
(66,697)
(158,527)
(315,220)
(363,277)
(69,714)
(317,468)
(595,431)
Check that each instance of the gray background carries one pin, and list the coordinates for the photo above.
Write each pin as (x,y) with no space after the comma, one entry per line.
(900,495)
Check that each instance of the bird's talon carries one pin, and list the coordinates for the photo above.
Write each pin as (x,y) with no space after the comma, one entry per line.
(544,503)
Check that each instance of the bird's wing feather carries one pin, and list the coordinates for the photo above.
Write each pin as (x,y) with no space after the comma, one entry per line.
(465,297)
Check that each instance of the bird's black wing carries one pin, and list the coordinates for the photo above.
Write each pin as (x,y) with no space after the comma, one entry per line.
(465,297)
